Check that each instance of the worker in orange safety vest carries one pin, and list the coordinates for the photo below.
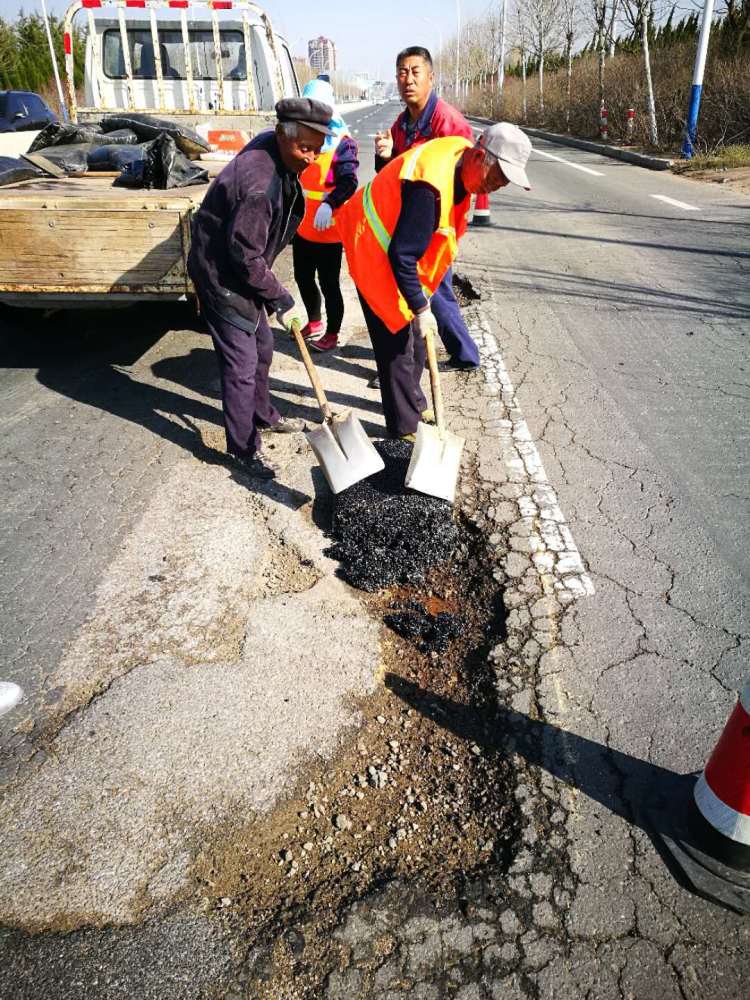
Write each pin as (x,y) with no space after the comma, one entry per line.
(316,249)
(400,234)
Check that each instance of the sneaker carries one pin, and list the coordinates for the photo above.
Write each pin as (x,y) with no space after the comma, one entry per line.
(287,425)
(312,329)
(325,343)
(255,467)
(374,383)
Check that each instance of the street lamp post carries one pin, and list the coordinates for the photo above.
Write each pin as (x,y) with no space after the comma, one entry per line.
(691,125)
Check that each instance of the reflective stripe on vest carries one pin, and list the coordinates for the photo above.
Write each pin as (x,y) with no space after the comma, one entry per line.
(367,222)
(379,231)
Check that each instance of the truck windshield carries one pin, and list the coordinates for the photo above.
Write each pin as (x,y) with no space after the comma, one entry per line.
(202,61)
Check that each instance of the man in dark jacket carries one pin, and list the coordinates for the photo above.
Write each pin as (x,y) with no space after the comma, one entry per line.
(250,213)
(427,117)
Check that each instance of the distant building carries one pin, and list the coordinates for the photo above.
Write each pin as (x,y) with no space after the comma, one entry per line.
(321,53)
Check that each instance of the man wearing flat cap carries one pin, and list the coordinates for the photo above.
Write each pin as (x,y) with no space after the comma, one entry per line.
(250,213)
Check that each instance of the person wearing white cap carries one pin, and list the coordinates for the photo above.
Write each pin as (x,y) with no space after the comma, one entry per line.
(401,232)
(512,148)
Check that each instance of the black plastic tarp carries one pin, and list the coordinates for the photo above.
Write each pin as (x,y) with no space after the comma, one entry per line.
(148,127)
(13,169)
(72,159)
(161,166)
(65,134)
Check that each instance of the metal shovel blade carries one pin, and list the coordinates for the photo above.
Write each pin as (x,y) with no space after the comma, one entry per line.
(435,462)
(345,453)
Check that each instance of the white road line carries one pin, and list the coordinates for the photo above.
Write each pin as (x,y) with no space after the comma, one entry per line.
(575,166)
(554,553)
(677,204)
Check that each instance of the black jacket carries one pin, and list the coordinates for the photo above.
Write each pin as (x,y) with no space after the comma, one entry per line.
(249,214)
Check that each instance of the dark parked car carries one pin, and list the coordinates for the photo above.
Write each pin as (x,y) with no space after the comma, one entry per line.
(21,111)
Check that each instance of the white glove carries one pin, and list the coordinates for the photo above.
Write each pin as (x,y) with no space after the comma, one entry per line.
(285,318)
(424,323)
(323,217)
(384,144)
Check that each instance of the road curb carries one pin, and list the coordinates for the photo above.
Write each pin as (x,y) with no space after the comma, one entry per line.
(614,152)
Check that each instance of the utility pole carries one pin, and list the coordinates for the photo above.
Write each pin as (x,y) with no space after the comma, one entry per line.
(458,44)
(691,126)
(501,67)
(53,57)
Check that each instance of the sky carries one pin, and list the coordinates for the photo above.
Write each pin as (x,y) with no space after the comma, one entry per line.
(367,34)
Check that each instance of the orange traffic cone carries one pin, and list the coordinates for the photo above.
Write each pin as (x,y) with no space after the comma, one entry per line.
(482,211)
(713,847)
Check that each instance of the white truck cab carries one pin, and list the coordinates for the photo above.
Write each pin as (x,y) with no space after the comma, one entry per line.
(200,59)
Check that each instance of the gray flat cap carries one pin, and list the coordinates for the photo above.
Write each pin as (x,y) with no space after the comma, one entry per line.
(305,111)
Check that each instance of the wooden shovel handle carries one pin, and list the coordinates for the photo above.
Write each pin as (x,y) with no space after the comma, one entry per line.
(437,392)
(312,374)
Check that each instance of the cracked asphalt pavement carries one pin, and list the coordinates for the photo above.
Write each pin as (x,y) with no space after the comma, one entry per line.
(607,465)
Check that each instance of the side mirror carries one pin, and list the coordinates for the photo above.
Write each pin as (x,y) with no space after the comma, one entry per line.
(20,114)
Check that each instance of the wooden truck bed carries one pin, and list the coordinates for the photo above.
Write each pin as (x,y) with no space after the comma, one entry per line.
(84,236)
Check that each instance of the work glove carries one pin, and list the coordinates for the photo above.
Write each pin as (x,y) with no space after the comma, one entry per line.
(323,217)
(384,145)
(285,318)
(423,323)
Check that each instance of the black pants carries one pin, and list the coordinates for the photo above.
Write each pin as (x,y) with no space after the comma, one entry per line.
(400,358)
(325,259)
(244,360)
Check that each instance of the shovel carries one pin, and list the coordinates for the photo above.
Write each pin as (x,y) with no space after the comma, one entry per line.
(345,453)
(436,458)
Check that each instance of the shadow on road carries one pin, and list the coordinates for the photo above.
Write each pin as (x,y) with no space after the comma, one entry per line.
(707,251)
(634,296)
(81,356)
(641,793)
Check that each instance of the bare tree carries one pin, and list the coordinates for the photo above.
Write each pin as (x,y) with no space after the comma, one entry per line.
(543,19)
(600,21)
(569,13)
(522,44)
(611,26)
(639,13)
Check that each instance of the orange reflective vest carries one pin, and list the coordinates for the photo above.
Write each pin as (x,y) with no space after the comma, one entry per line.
(366,224)
(317,180)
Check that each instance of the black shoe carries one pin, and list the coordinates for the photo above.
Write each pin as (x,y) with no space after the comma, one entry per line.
(287,425)
(454,365)
(374,383)
(253,466)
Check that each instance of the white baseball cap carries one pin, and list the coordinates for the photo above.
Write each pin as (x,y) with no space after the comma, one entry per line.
(512,148)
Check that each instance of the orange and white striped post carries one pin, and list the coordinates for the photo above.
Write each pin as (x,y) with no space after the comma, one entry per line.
(603,123)
(482,216)
(714,850)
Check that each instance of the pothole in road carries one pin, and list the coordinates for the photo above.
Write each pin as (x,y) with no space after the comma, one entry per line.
(409,798)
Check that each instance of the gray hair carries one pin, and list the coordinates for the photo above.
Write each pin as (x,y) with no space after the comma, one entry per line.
(290,129)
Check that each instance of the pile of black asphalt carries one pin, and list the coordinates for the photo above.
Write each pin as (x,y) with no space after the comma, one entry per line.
(386,535)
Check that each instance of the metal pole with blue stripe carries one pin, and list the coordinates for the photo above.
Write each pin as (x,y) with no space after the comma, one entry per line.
(691,126)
